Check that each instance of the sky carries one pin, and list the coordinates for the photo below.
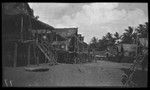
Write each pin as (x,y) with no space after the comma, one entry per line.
(92,19)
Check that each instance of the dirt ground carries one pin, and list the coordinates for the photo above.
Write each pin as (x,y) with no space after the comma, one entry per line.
(102,73)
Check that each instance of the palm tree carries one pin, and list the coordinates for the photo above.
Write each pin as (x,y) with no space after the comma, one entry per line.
(129,31)
(94,42)
(142,30)
(111,40)
(117,36)
(109,36)
(128,35)
(102,43)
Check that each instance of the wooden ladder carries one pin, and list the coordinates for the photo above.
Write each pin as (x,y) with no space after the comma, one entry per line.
(138,60)
(47,51)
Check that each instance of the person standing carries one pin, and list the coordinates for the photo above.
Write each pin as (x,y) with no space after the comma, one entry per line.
(107,54)
(121,54)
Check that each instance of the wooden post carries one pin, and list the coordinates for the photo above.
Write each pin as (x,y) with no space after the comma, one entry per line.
(76,50)
(55,56)
(37,60)
(94,56)
(137,45)
(36,56)
(77,44)
(45,60)
(35,53)
(56,38)
(74,58)
(29,55)
(15,55)
(21,28)
(87,54)
(67,56)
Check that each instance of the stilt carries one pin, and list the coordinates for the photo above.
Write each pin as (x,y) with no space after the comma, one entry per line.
(15,55)
(29,55)
(74,58)
(67,56)
(37,60)
(56,56)
(21,28)
(36,53)
(45,60)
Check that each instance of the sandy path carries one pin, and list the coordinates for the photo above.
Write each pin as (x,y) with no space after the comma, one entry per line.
(93,74)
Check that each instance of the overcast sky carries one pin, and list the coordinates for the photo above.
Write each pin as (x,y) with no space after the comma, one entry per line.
(92,19)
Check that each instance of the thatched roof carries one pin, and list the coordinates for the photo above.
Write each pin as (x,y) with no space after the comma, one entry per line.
(66,32)
(16,8)
(37,24)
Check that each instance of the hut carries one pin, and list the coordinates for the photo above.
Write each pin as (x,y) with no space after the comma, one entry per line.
(20,33)
(64,42)
(68,44)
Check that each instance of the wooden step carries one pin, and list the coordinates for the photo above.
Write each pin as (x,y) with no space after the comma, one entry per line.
(47,52)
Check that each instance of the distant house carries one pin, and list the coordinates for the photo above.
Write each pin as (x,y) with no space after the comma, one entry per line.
(128,49)
(70,42)
(132,49)
(65,38)
(112,50)
(69,39)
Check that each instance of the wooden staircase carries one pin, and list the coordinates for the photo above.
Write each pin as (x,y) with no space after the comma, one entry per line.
(48,51)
